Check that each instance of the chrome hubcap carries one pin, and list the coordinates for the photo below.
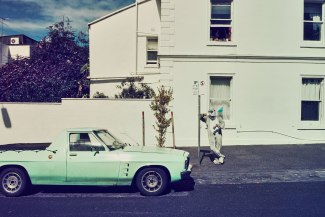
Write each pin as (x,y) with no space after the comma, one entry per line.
(151,181)
(11,182)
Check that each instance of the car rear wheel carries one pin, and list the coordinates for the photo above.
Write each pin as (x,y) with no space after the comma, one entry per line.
(152,181)
(14,182)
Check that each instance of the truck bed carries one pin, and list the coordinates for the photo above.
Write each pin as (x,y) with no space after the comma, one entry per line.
(25,146)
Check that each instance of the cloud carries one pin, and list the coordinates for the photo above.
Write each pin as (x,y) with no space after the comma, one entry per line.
(36,15)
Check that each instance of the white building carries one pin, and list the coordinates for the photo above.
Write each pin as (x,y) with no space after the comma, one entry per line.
(15,46)
(263,61)
(4,50)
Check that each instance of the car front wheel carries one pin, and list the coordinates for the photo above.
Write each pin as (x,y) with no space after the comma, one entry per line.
(152,181)
(13,182)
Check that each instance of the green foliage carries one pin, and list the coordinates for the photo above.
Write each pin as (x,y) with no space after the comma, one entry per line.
(53,71)
(99,95)
(133,89)
(160,107)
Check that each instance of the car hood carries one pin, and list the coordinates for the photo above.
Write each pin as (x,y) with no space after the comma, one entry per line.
(157,150)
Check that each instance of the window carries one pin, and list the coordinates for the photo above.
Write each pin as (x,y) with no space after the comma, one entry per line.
(84,142)
(152,51)
(220,94)
(313,20)
(221,20)
(311,99)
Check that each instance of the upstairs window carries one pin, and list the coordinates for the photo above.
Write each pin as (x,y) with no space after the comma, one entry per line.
(312,96)
(314,21)
(221,20)
(152,51)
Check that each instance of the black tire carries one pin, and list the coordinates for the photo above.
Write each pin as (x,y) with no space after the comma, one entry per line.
(152,181)
(14,182)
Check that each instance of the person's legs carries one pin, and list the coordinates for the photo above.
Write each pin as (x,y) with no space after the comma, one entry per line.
(213,145)
(218,138)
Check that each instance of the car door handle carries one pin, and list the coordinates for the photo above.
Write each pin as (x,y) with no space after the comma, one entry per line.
(73,154)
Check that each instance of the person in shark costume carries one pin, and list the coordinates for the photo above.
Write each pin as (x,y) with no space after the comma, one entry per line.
(215,124)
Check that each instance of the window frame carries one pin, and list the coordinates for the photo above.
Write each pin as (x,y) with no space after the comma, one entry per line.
(231,25)
(89,133)
(321,42)
(151,62)
(310,124)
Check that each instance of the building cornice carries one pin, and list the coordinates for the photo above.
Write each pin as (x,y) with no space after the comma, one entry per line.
(242,57)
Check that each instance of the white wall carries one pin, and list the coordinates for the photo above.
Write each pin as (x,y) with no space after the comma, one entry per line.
(266,96)
(32,122)
(19,50)
(113,45)
(266,28)
(266,86)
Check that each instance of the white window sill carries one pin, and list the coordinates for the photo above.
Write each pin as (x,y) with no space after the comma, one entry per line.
(313,45)
(230,125)
(222,43)
(311,127)
(152,66)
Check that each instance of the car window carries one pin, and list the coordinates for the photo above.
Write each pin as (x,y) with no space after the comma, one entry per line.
(110,141)
(84,142)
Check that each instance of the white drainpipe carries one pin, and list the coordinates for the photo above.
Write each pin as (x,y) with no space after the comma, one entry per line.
(136,37)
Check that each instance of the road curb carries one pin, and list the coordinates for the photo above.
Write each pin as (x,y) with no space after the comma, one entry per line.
(259,177)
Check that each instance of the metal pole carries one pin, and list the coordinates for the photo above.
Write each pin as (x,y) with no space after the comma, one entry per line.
(199,128)
(173,130)
(143,130)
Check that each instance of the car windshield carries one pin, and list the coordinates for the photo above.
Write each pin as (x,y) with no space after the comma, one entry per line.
(109,140)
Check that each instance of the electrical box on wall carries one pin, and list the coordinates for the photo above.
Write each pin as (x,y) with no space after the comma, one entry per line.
(14,40)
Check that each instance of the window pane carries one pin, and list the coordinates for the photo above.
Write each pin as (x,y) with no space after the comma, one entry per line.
(309,111)
(220,95)
(152,44)
(221,12)
(220,33)
(152,55)
(311,89)
(312,31)
(313,12)
(80,142)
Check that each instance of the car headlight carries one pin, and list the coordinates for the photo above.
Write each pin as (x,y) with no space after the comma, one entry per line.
(187,162)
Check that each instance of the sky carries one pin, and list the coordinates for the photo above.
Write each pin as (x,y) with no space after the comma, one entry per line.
(32,17)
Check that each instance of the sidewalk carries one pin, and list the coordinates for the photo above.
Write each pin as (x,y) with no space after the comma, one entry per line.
(261,164)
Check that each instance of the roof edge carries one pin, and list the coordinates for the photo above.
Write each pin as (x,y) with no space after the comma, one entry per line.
(117,12)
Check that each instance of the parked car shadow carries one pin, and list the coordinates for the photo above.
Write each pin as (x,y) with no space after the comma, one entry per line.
(181,186)
(54,189)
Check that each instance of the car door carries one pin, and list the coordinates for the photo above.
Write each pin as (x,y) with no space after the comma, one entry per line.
(89,162)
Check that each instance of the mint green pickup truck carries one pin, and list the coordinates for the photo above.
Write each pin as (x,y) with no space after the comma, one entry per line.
(91,156)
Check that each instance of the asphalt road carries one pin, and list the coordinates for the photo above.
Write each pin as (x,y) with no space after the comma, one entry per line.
(240,200)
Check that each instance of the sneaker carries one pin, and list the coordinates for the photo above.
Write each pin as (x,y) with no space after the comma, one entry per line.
(221,160)
(216,161)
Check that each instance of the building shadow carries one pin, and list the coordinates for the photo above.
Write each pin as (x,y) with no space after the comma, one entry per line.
(6,117)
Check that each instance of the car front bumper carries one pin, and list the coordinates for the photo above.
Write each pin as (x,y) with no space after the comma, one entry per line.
(186,175)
